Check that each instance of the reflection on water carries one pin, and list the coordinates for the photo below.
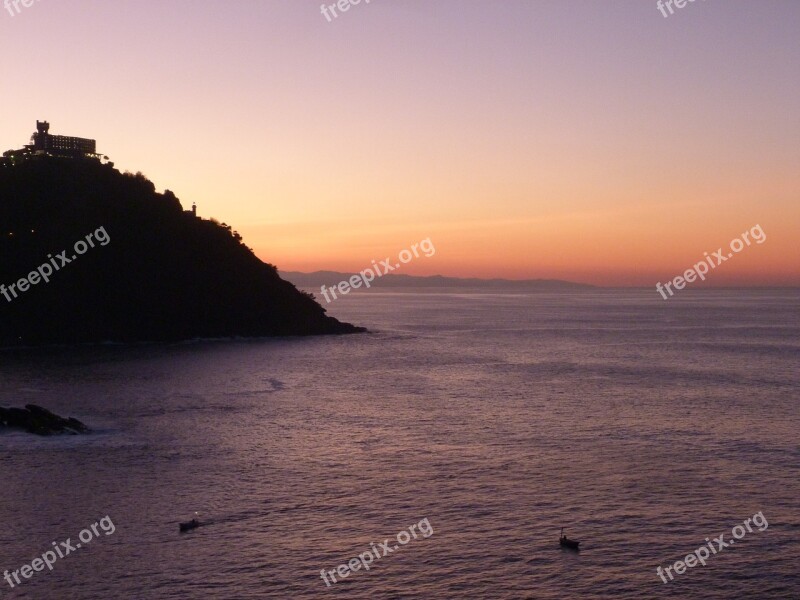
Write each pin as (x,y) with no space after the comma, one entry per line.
(643,427)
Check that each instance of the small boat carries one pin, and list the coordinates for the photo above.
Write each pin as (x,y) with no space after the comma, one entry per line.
(189,525)
(568,543)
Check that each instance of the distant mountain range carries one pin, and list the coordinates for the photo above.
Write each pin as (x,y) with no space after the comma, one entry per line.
(332,278)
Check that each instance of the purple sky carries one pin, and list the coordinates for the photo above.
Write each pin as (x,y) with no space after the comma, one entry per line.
(592,140)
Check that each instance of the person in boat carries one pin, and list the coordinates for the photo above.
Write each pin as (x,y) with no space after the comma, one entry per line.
(194,523)
(565,541)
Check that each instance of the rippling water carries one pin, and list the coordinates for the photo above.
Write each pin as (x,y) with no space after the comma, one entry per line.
(642,426)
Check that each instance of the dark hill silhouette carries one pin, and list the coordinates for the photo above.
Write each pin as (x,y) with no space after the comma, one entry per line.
(164,275)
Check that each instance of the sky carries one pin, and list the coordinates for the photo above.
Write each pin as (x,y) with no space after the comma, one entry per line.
(593,141)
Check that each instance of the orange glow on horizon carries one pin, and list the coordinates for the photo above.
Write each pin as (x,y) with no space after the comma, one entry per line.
(497,133)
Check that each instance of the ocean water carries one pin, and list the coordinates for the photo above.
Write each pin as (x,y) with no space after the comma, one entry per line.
(642,426)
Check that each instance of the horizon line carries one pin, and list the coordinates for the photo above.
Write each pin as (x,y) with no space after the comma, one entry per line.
(703,286)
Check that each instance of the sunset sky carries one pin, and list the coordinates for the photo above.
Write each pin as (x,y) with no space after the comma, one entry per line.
(589,141)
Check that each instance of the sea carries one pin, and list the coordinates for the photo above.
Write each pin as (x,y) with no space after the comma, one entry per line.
(450,444)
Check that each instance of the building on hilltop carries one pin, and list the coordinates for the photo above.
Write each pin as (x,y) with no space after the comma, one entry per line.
(61,145)
(43,143)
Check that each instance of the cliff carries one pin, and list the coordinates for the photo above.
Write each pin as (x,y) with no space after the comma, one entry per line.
(106,258)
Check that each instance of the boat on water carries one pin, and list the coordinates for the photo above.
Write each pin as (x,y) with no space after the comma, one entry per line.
(568,543)
(189,525)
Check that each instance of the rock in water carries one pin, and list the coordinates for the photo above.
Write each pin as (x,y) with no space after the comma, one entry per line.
(39,421)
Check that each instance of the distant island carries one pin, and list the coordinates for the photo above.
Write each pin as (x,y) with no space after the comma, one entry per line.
(315,280)
(90,254)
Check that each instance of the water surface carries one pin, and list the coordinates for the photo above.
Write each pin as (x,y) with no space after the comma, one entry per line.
(643,426)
